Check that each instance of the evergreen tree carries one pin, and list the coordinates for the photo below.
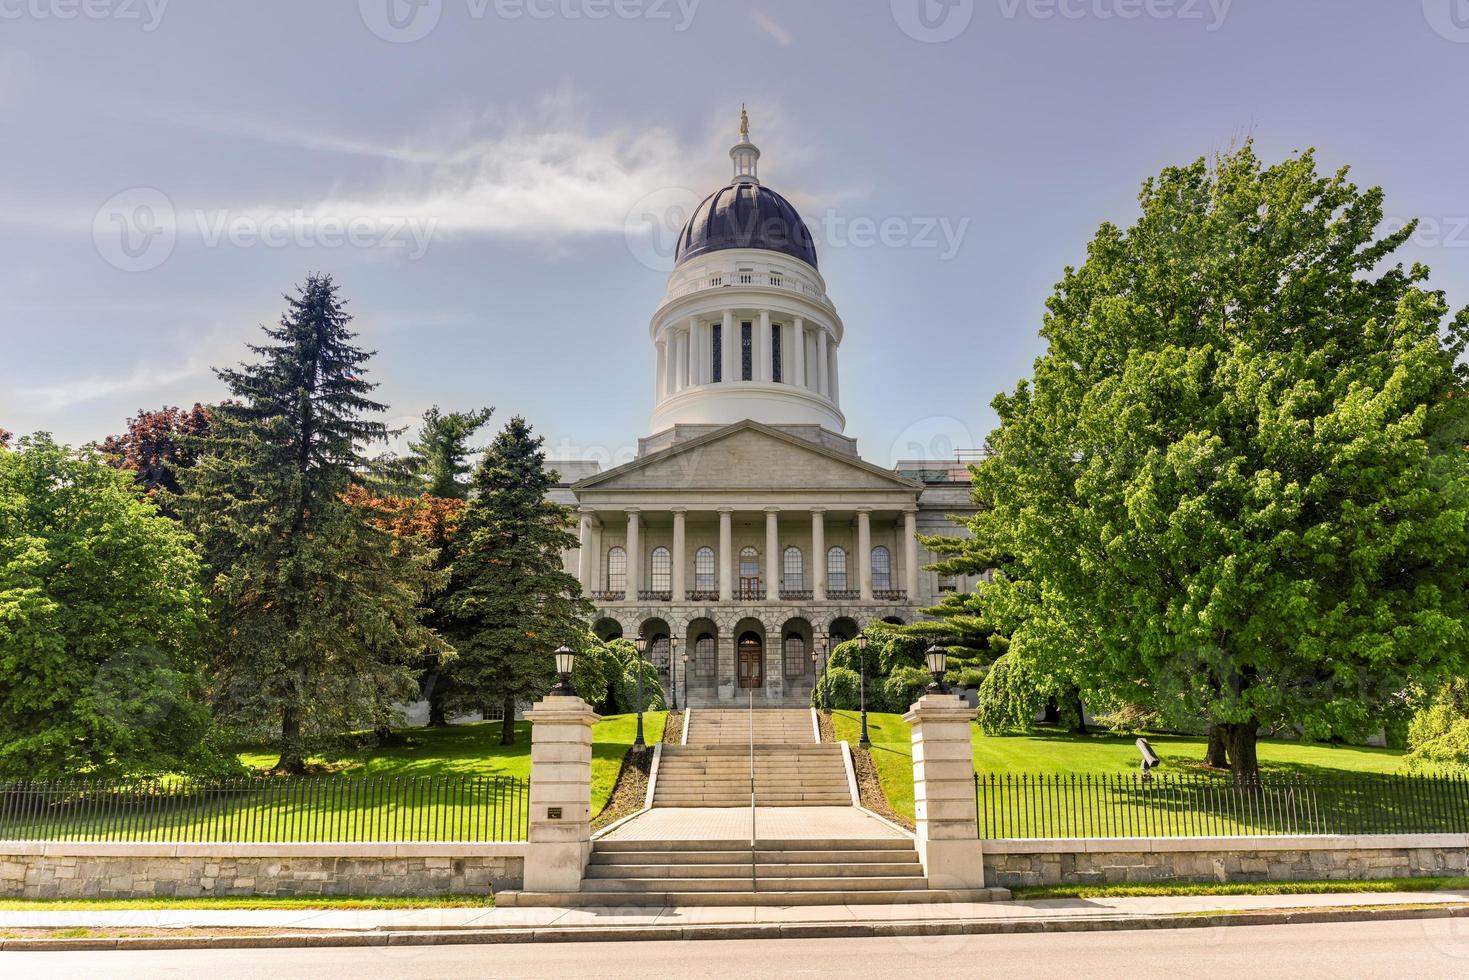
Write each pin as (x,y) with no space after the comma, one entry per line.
(319,607)
(441,454)
(1235,489)
(510,602)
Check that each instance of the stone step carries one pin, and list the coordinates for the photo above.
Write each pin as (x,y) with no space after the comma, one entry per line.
(916,897)
(694,800)
(625,886)
(772,871)
(763,857)
(824,844)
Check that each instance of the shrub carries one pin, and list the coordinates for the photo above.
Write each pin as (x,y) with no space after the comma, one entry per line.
(844,686)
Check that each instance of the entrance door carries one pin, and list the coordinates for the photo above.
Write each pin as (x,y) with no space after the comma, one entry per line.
(750,655)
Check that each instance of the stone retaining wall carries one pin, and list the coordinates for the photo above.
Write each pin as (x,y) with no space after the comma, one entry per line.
(85,870)
(1017,863)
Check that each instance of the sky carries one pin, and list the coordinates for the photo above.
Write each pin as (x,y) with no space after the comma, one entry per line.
(496,184)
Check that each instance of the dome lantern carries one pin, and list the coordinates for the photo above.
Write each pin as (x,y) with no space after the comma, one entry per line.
(744,154)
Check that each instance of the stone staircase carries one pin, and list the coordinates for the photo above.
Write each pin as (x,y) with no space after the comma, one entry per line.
(878,871)
(713,769)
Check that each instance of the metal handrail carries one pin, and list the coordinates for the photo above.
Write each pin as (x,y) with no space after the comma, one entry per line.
(753,838)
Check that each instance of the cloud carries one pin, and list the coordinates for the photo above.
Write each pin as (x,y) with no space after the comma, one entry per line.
(18,84)
(781,35)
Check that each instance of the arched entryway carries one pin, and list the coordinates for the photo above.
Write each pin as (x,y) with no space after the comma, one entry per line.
(843,628)
(607,630)
(701,669)
(750,660)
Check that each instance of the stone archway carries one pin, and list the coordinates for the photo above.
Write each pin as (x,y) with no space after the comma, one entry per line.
(752,669)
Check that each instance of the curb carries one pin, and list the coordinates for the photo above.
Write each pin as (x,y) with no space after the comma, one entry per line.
(772,930)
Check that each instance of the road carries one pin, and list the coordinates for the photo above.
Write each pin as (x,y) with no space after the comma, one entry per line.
(1378,949)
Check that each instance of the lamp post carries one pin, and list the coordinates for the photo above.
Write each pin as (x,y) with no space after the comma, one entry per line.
(938,663)
(565,662)
(685,660)
(642,645)
(864,741)
(673,668)
(825,680)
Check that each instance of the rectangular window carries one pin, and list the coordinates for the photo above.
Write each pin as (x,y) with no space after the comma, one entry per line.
(716,352)
(775,372)
(747,351)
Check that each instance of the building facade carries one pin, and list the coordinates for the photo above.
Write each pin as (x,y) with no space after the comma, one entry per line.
(748,532)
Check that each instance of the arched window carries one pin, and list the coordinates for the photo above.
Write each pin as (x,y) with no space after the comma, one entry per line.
(749,573)
(793,569)
(662,580)
(616,570)
(658,651)
(882,569)
(836,569)
(704,573)
(795,655)
(704,655)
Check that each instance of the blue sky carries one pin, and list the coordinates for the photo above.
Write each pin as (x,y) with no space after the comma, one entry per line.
(476,174)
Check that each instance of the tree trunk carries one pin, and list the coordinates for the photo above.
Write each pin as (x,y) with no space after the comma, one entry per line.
(1241,739)
(438,714)
(507,724)
(1078,723)
(1052,715)
(1217,756)
(292,760)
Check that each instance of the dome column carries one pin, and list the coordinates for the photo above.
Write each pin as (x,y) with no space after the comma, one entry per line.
(763,348)
(730,347)
(823,379)
(798,353)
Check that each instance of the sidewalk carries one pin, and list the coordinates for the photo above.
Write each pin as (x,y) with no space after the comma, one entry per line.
(469,925)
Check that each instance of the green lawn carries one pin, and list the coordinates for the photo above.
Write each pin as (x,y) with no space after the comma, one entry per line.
(1055,753)
(438,784)
(1241,888)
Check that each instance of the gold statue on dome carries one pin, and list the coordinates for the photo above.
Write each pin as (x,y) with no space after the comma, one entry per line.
(744,122)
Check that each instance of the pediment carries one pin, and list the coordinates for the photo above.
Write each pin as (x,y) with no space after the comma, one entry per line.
(747,456)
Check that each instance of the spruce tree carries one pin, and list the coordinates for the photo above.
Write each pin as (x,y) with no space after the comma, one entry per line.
(510,601)
(318,606)
(441,454)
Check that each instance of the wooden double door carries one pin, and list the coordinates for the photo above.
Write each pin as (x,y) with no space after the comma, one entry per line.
(750,661)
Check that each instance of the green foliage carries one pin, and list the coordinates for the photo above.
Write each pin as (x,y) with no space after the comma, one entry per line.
(969,677)
(1438,735)
(1009,697)
(441,454)
(101,617)
(843,686)
(1235,487)
(904,686)
(318,608)
(510,603)
(621,666)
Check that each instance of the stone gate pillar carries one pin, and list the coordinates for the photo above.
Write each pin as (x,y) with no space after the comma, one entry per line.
(943,792)
(560,835)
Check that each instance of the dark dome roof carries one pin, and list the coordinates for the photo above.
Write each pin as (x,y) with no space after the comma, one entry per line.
(746,215)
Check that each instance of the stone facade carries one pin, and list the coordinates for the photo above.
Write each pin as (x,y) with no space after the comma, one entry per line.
(80,870)
(1017,863)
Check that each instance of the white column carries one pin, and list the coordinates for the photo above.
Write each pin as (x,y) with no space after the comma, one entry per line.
(798,354)
(634,556)
(822,381)
(726,554)
(679,535)
(691,354)
(681,360)
(818,554)
(834,378)
(662,373)
(772,554)
(586,568)
(731,346)
(910,555)
(762,347)
(864,551)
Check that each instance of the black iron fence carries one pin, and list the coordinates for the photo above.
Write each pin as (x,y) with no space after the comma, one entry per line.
(324,809)
(1201,805)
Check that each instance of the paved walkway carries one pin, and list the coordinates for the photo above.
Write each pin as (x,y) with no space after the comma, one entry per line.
(1049,910)
(770,823)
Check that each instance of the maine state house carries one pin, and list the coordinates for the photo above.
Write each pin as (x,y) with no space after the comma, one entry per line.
(748,532)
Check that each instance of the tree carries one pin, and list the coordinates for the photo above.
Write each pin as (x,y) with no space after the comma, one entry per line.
(440,457)
(101,620)
(510,603)
(5,437)
(441,454)
(1438,736)
(157,444)
(319,607)
(1235,488)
